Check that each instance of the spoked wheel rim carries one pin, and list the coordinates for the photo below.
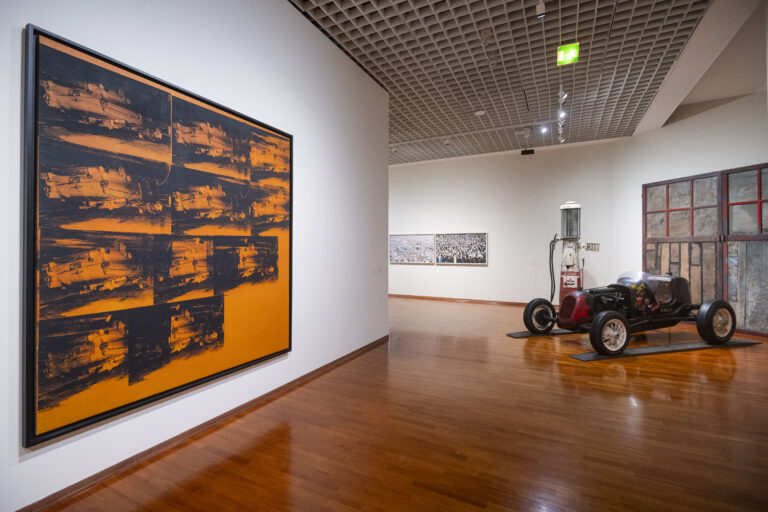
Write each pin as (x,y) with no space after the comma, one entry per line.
(614,334)
(536,315)
(722,322)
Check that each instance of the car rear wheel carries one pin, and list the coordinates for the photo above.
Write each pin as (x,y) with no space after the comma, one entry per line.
(538,316)
(716,321)
(609,333)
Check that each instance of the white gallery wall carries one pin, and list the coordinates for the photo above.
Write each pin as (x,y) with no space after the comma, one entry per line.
(261,58)
(516,200)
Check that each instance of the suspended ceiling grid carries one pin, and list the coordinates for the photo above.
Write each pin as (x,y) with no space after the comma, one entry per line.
(443,61)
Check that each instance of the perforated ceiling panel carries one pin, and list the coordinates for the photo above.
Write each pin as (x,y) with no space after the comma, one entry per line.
(445,61)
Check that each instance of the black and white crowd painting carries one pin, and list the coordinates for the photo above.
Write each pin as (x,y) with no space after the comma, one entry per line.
(461,249)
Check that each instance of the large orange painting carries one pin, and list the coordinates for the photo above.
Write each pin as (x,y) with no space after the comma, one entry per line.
(160,231)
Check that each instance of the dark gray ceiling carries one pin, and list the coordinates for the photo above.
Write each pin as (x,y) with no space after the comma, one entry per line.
(443,61)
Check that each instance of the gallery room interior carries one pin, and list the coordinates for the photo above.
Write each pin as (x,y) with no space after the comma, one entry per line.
(384,255)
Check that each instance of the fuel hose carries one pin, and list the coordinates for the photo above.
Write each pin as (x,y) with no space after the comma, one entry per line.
(552,245)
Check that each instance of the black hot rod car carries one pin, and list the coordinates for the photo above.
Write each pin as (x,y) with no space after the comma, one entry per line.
(637,302)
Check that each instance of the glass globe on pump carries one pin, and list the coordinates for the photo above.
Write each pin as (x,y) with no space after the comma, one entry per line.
(570,220)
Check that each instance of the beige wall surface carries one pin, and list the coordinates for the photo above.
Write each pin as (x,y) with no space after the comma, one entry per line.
(261,58)
(516,200)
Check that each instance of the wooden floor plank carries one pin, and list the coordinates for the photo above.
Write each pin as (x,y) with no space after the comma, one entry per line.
(452,414)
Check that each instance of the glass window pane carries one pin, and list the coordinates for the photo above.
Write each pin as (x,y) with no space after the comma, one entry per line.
(680,223)
(765,218)
(656,224)
(680,195)
(764,185)
(705,191)
(742,219)
(705,222)
(656,198)
(742,186)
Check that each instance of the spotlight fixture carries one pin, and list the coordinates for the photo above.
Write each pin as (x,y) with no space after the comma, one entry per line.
(479,112)
(561,139)
(561,95)
(561,114)
(526,133)
(544,129)
(541,9)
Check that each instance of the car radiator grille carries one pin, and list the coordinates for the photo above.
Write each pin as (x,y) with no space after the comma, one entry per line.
(566,308)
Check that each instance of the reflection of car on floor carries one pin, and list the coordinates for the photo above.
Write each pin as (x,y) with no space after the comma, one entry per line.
(637,302)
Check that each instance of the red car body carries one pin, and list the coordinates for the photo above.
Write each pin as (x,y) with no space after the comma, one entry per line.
(574,310)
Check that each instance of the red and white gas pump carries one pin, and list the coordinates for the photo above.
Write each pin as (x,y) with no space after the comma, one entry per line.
(571,265)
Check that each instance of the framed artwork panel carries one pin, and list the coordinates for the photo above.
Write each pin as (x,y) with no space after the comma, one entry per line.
(461,249)
(415,249)
(158,249)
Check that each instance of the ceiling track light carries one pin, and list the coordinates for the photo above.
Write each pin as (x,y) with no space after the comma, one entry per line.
(561,114)
(544,129)
(541,9)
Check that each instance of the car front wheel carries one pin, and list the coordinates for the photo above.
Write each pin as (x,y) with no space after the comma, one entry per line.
(716,321)
(538,316)
(609,333)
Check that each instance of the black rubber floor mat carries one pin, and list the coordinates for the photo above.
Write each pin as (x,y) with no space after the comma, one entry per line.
(663,349)
(529,334)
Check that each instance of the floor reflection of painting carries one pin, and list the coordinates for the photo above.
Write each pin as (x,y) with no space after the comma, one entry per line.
(161,219)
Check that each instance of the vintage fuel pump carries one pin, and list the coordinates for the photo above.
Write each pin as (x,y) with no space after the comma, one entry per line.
(571,266)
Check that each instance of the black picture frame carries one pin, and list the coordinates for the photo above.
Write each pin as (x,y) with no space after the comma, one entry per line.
(30,437)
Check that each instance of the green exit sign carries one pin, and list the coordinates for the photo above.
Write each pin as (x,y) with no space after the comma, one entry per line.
(567,54)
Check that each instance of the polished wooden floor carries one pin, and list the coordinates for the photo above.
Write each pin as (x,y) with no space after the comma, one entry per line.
(453,415)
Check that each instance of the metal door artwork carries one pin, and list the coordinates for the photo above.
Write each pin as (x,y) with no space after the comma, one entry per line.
(712,229)
(746,254)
